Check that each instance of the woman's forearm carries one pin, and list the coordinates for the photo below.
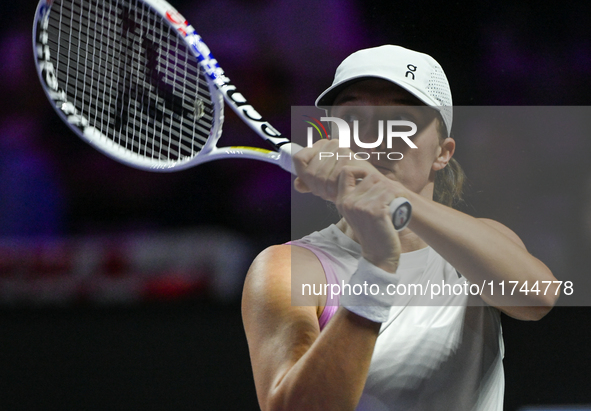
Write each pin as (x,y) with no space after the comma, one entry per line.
(485,253)
(332,372)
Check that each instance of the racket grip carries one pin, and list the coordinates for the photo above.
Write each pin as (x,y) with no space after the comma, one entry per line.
(400,212)
(287,151)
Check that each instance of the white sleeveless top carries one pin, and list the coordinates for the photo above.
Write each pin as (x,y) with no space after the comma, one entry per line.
(445,356)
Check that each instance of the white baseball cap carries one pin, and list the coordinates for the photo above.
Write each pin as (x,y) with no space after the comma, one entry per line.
(417,73)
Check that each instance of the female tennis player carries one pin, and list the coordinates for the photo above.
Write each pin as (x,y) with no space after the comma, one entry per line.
(382,347)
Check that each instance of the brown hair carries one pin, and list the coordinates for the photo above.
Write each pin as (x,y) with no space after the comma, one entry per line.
(449,181)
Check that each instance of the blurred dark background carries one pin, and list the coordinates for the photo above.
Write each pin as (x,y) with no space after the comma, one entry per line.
(120,289)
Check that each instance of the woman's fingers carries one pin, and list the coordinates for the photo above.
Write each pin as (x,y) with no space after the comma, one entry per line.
(307,164)
(365,206)
(362,195)
(319,168)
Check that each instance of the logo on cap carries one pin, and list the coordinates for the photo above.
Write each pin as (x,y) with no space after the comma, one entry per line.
(411,70)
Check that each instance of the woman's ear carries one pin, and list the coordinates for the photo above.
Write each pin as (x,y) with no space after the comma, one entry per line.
(446,151)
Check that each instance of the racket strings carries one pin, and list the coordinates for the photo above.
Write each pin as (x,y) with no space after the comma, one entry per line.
(131,77)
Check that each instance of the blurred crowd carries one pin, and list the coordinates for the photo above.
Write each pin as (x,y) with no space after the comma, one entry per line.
(282,54)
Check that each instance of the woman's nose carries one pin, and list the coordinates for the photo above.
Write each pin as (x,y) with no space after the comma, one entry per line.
(369,136)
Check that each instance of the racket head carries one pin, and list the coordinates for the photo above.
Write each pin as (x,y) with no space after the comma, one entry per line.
(124,76)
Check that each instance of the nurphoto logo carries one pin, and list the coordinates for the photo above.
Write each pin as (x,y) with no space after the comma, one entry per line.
(390,131)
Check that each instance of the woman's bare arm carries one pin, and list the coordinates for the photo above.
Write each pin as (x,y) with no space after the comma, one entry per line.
(295,366)
(485,251)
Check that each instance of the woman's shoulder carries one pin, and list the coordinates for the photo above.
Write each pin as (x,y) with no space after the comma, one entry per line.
(274,271)
(282,257)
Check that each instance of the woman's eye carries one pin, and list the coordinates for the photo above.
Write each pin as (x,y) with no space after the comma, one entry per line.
(402,116)
(350,118)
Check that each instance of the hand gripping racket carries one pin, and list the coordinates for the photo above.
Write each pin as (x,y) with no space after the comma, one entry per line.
(135,80)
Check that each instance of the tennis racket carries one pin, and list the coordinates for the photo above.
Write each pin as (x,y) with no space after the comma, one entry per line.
(135,80)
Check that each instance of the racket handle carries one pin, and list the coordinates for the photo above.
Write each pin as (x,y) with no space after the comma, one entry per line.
(286,153)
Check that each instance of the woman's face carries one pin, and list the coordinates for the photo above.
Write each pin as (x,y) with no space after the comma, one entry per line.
(372,100)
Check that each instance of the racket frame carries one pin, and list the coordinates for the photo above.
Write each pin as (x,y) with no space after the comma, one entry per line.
(219,86)
(220,89)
